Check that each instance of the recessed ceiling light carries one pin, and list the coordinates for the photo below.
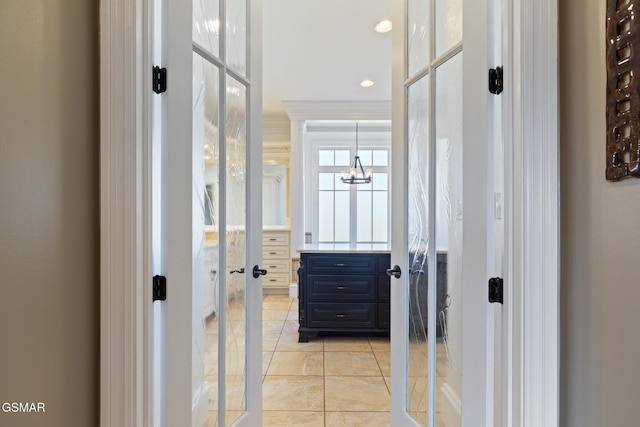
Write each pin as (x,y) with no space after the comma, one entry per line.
(366,83)
(383,26)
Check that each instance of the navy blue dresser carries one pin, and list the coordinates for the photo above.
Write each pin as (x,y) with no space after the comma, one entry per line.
(343,292)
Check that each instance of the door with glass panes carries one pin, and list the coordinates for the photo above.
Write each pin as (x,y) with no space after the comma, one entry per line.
(213,179)
(441,184)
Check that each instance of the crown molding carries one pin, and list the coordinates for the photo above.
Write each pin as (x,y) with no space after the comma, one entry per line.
(276,129)
(338,110)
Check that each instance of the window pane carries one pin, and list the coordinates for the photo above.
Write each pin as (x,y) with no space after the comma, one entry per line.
(343,158)
(236,11)
(325,216)
(380,158)
(380,216)
(339,184)
(325,181)
(380,181)
(343,213)
(364,187)
(365,157)
(417,35)
(325,157)
(449,231)
(364,216)
(448,24)
(206,25)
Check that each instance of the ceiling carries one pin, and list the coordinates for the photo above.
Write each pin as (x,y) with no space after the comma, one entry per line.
(320,50)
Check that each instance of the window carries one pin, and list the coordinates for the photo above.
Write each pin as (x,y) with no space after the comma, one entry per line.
(344,213)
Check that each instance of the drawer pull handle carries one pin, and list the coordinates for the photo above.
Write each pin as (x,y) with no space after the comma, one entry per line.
(341,316)
(341,264)
(273,239)
(273,280)
(342,288)
(273,266)
(273,253)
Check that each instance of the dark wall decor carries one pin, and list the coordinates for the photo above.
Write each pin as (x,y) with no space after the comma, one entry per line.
(623,90)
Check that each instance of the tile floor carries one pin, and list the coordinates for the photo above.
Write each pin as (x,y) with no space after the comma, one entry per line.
(327,382)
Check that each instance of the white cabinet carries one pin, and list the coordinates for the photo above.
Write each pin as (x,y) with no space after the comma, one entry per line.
(276,257)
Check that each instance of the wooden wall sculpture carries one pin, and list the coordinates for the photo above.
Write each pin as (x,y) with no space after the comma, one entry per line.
(623,89)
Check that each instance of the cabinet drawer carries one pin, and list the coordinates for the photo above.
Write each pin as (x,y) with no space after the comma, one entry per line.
(275,239)
(384,263)
(335,315)
(384,316)
(352,264)
(276,280)
(340,288)
(276,266)
(275,253)
(384,290)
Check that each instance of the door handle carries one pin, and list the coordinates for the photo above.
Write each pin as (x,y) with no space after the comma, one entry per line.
(257,271)
(241,271)
(395,272)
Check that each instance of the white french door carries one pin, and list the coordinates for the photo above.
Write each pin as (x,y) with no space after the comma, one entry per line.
(442,208)
(213,224)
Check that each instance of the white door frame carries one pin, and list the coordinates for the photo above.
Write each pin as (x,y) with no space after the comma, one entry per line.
(531,213)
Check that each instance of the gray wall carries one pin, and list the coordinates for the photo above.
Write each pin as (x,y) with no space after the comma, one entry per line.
(600,240)
(49,216)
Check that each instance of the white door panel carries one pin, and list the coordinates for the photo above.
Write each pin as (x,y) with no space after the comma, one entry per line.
(442,339)
(213,163)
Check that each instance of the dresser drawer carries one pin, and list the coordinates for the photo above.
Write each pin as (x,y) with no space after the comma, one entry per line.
(275,280)
(384,263)
(335,315)
(351,264)
(275,253)
(276,266)
(340,288)
(384,290)
(281,239)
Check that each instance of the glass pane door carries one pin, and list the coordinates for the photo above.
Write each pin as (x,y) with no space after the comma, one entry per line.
(214,221)
(430,179)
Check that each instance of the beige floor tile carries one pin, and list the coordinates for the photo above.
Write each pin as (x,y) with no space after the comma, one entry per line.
(274,302)
(351,363)
(346,344)
(270,327)
(290,327)
(292,419)
(384,361)
(270,341)
(296,363)
(293,313)
(289,342)
(356,394)
(358,419)
(380,343)
(266,361)
(275,314)
(289,393)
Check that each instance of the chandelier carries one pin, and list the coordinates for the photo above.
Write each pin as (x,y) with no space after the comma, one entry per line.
(357,174)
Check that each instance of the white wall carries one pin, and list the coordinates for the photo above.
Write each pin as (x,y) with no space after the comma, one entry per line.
(600,240)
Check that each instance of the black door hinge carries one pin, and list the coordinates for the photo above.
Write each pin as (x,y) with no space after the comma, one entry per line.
(159,79)
(159,288)
(496,290)
(496,81)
